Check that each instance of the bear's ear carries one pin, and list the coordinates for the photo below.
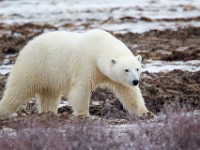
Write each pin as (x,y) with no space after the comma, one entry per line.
(139,57)
(113,61)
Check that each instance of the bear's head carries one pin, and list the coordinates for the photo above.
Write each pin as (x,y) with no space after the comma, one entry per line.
(126,70)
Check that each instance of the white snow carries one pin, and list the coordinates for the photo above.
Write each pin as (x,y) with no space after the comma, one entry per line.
(155,66)
(8,131)
(60,12)
(96,103)
(63,103)
(6,67)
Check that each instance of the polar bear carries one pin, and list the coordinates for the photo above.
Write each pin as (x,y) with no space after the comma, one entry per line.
(61,62)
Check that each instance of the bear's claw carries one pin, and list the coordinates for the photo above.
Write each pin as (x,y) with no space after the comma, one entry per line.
(148,115)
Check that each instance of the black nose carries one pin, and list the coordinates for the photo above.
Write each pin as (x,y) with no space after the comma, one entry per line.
(135,82)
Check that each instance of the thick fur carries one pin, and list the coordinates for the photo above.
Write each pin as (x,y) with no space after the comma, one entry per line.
(58,63)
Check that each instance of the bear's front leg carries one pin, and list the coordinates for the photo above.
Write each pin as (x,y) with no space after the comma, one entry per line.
(132,100)
(79,99)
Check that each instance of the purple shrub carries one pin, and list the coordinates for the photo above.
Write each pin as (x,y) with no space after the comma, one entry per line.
(177,130)
(81,134)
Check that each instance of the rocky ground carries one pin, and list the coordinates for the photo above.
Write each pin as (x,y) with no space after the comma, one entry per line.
(174,96)
(159,89)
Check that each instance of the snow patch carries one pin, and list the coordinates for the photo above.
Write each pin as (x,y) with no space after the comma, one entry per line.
(63,103)
(155,66)
(98,12)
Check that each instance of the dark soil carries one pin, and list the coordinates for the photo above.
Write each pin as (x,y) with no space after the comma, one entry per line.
(176,88)
(183,44)
(16,36)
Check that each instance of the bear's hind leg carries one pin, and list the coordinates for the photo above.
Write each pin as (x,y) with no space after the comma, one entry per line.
(48,103)
(13,98)
(79,99)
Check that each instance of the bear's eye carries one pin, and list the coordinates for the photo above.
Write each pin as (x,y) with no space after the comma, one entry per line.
(137,69)
(126,70)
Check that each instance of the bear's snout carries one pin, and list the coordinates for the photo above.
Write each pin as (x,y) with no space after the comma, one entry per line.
(135,82)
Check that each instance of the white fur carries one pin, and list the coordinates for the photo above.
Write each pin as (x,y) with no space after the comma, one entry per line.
(57,63)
